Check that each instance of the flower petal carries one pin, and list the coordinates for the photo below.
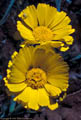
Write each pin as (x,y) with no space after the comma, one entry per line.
(63,34)
(23,60)
(52,90)
(40,58)
(20,64)
(29,98)
(62,24)
(28,55)
(43,97)
(55,44)
(24,96)
(33,100)
(50,15)
(68,40)
(29,16)
(53,106)
(45,14)
(59,17)
(25,32)
(59,34)
(16,87)
(41,10)
(57,73)
(58,83)
(16,76)
(63,49)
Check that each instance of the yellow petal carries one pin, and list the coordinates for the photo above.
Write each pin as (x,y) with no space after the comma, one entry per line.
(52,60)
(40,59)
(59,34)
(55,44)
(8,71)
(41,11)
(29,16)
(28,98)
(22,45)
(57,73)
(33,100)
(20,62)
(14,54)
(50,15)
(16,76)
(10,63)
(53,106)
(43,97)
(25,32)
(63,49)
(60,84)
(68,40)
(62,24)
(52,90)
(28,55)
(24,96)
(16,87)
(28,43)
(45,14)
(59,18)
(67,29)
(5,80)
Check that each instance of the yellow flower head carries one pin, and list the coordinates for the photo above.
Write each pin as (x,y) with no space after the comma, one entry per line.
(35,76)
(44,25)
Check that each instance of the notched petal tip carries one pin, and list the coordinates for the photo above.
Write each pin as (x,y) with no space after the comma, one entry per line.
(63,49)
(53,106)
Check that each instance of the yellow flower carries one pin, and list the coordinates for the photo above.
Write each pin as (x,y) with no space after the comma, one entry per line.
(36,76)
(44,25)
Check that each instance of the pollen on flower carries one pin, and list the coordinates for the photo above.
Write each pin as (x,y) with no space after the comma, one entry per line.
(42,34)
(36,78)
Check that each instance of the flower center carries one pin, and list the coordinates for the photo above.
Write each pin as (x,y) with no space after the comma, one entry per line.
(36,78)
(43,34)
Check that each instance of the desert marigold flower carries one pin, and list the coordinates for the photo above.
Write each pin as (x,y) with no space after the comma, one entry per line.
(35,76)
(44,25)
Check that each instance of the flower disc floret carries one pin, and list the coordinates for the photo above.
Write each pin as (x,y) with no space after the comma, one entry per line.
(42,34)
(36,78)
